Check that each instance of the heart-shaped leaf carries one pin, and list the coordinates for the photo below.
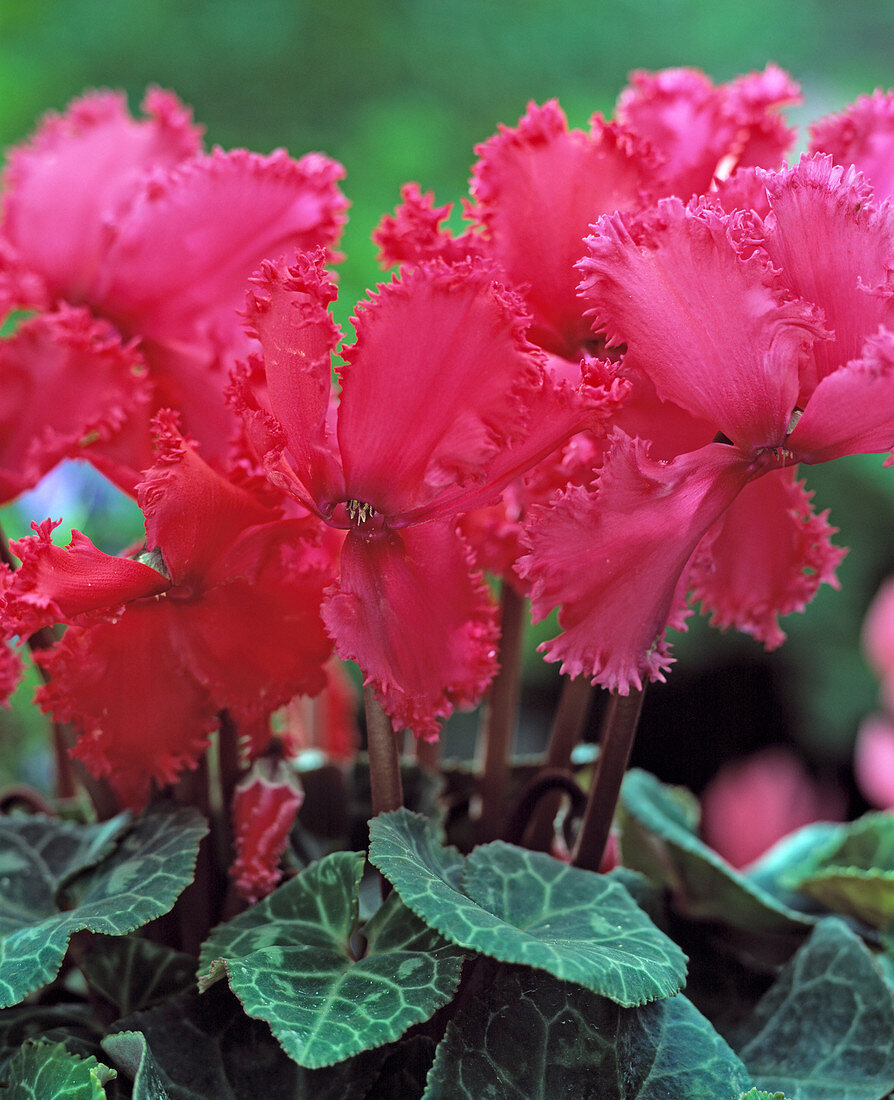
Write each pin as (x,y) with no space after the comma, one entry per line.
(46,1071)
(530,1035)
(111,879)
(526,907)
(290,961)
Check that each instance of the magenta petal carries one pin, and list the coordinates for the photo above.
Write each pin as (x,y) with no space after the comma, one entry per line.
(143,717)
(713,331)
(192,513)
(537,188)
(863,135)
(835,248)
(78,173)
(66,383)
(288,313)
(766,556)
(435,387)
(419,624)
(613,558)
(852,410)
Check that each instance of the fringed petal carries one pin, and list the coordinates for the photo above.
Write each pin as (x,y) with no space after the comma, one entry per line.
(56,585)
(435,387)
(863,135)
(182,259)
(852,410)
(700,130)
(76,176)
(537,188)
(143,717)
(288,313)
(613,558)
(192,513)
(66,384)
(256,639)
(265,804)
(714,331)
(766,557)
(835,248)
(415,233)
(419,624)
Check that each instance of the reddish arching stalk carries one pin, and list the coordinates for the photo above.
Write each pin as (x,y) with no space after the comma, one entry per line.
(384,757)
(616,741)
(568,724)
(500,718)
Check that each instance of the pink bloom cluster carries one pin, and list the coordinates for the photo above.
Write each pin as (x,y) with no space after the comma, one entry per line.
(598,390)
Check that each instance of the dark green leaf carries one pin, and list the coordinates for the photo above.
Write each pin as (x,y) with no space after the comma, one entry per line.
(825,1030)
(658,838)
(72,1024)
(207,1047)
(133,974)
(526,907)
(531,1037)
(290,962)
(46,1071)
(774,868)
(130,1053)
(854,873)
(136,881)
(757,1094)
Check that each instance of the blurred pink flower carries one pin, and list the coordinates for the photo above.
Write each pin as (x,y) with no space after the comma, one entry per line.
(752,803)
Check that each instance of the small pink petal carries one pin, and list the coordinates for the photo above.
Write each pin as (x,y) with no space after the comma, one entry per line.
(418,622)
(613,558)
(415,234)
(765,557)
(863,135)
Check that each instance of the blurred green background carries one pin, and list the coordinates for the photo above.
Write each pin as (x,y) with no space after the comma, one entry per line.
(402,90)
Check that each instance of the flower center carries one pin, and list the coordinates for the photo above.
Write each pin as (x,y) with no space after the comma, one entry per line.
(359,511)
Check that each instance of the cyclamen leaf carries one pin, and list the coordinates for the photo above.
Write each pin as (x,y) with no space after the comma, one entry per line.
(825,1029)
(46,1071)
(533,1037)
(852,874)
(775,867)
(526,907)
(207,1047)
(130,1051)
(134,974)
(658,838)
(133,883)
(289,960)
(757,1094)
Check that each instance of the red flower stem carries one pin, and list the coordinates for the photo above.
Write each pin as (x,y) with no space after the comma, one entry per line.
(501,717)
(568,725)
(384,758)
(616,741)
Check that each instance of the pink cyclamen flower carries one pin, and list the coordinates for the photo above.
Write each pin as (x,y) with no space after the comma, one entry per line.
(443,401)
(778,332)
(874,760)
(222,612)
(108,217)
(753,803)
(265,804)
(536,189)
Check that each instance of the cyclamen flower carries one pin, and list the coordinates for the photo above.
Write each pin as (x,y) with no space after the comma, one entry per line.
(443,402)
(776,331)
(135,247)
(863,135)
(537,188)
(221,613)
